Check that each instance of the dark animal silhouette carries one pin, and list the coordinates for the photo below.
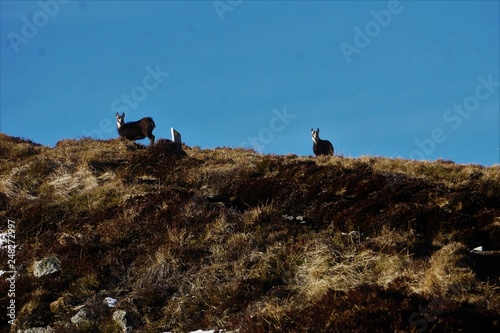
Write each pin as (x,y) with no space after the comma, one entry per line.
(321,147)
(135,130)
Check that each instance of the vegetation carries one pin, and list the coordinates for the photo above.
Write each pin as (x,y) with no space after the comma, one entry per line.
(230,239)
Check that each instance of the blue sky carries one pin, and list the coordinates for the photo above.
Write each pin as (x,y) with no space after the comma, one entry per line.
(398,79)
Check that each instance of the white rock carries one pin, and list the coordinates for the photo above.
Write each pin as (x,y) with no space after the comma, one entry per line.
(477,249)
(111,302)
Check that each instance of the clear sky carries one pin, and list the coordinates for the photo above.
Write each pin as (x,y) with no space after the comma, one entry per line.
(403,79)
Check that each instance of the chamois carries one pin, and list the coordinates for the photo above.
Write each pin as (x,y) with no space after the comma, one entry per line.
(321,147)
(135,130)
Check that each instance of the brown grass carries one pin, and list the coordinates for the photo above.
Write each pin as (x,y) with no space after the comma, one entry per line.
(230,239)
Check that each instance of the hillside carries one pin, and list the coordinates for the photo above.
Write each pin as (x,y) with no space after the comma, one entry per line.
(231,239)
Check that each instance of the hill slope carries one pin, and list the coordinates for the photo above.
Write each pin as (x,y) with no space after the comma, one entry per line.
(230,239)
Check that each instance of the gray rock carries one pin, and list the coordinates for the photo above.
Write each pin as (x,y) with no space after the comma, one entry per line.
(110,301)
(47,329)
(84,317)
(120,316)
(46,266)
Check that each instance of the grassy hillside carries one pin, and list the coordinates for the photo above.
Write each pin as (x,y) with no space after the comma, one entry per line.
(231,239)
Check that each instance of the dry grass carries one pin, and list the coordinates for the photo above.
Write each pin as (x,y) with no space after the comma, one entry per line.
(447,273)
(323,271)
(230,239)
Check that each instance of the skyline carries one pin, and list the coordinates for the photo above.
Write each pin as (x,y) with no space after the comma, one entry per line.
(416,80)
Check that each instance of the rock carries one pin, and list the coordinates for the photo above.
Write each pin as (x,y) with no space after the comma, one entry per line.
(299,218)
(46,266)
(47,329)
(477,249)
(83,318)
(111,302)
(123,320)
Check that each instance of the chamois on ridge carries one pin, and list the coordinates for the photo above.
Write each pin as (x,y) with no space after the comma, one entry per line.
(135,130)
(321,147)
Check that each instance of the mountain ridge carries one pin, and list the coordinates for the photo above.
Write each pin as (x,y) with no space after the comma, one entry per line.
(226,238)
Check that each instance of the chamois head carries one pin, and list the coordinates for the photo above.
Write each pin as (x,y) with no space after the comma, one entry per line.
(135,130)
(315,134)
(120,120)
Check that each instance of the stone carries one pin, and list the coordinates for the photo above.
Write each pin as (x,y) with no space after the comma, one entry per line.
(46,266)
(110,301)
(122,319)
(47,329)
(84,317)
